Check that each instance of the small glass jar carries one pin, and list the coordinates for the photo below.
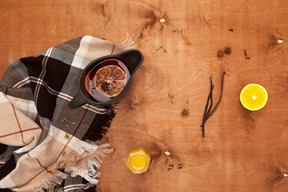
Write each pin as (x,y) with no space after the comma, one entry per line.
(138,160)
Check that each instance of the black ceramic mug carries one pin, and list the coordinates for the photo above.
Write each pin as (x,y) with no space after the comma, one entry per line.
(129,61)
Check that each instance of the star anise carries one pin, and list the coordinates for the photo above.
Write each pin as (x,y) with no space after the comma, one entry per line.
(220,54)
(227,50)
(185,112)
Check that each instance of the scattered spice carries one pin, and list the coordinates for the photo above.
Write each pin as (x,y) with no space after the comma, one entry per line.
(231,30)
(280,41)
(171,96)
(161,47)
(167,153)
(185,112)
(162,20)
(67,125)
(220,54)
(285,174)
(180,166)
(67,136)
(208,108)
(64,153)
(245,53)
(170,167)
(187,101)
(227,50)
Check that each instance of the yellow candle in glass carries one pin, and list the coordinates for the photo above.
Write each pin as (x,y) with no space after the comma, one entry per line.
(138,160)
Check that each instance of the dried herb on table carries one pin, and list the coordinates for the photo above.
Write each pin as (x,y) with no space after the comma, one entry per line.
(231,30)
(171,96)
(208,108)
(161,47)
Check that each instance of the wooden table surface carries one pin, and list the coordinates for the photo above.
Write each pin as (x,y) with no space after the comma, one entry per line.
(243,151)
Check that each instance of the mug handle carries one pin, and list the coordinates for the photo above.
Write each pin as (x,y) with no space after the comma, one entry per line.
(77,101)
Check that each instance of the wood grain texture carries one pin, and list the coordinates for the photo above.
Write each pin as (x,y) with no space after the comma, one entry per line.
(242,151)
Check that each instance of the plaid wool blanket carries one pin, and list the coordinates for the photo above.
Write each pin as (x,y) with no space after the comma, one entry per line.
(44,145)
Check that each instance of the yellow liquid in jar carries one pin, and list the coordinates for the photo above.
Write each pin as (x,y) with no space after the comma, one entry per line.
(138,160)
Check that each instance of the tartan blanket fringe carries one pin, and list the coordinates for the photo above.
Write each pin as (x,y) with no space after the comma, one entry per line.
(128,43)
(92,157)
(44,183)
(84,165)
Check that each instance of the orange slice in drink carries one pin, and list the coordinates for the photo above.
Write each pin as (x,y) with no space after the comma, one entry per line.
(110,80)
(253,97)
